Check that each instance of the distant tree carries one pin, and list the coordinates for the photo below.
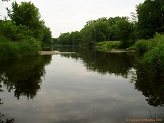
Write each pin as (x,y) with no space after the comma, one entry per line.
(47,38)
(64,39)
(124,31)
(75,38)
(102,30)
(87,35)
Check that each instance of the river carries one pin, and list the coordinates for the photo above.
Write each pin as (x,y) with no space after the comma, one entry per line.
(79,86)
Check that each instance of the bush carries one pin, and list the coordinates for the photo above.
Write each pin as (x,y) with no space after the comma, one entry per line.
(142,45)
(15,50)
(154,59)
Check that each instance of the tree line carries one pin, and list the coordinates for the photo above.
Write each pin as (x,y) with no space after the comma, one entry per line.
(143,24)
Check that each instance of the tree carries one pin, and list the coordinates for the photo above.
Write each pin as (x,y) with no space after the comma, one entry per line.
(150,18)
(124,31)
(64,39)
(26,14)
(75,38)
(47,38)
(87,35)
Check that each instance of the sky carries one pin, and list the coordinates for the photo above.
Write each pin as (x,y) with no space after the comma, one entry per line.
(71,15)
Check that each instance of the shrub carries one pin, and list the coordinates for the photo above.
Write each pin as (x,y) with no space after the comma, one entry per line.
(154,59)
(142,45)
(14,50)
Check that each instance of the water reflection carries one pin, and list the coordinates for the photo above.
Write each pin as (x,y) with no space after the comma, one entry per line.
(125,65)
(23,76)
(118,64)
(86,86)
(150,84)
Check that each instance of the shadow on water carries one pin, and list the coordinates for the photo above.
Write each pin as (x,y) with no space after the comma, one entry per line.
(23,77)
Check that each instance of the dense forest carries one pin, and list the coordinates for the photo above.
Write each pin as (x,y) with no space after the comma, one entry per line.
(24,33)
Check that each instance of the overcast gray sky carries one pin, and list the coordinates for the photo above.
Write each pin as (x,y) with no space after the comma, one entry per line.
(71,15)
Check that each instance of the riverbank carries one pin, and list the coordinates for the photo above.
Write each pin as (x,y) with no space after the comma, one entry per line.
(153,50)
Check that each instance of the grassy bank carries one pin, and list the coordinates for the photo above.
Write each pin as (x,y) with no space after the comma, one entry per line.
(108,45)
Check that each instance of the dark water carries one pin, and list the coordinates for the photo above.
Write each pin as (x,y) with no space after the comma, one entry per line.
(84,86)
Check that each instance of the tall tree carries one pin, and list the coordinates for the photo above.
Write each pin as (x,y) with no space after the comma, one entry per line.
(28,15)
(25,14)
(150,18)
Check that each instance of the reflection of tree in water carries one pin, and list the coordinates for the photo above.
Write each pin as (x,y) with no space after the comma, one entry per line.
(112,63)
(151,85)
(24,76)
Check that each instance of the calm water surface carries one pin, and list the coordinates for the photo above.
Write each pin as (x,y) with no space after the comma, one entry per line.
(82,86)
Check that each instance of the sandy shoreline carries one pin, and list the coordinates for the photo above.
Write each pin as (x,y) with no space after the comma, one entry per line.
(49,52)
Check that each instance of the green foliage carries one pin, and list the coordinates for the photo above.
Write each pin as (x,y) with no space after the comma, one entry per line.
(47,38)
(8,29)
(26,15)
(64,39)
(124,31)
(24,34)
(73,38)
(147,45)
(150,18)
(102,29)
(15,50)
(109,45)
(12,32)
(142,45)
(154,58)
(76,38)
(132,48)
(114,45)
